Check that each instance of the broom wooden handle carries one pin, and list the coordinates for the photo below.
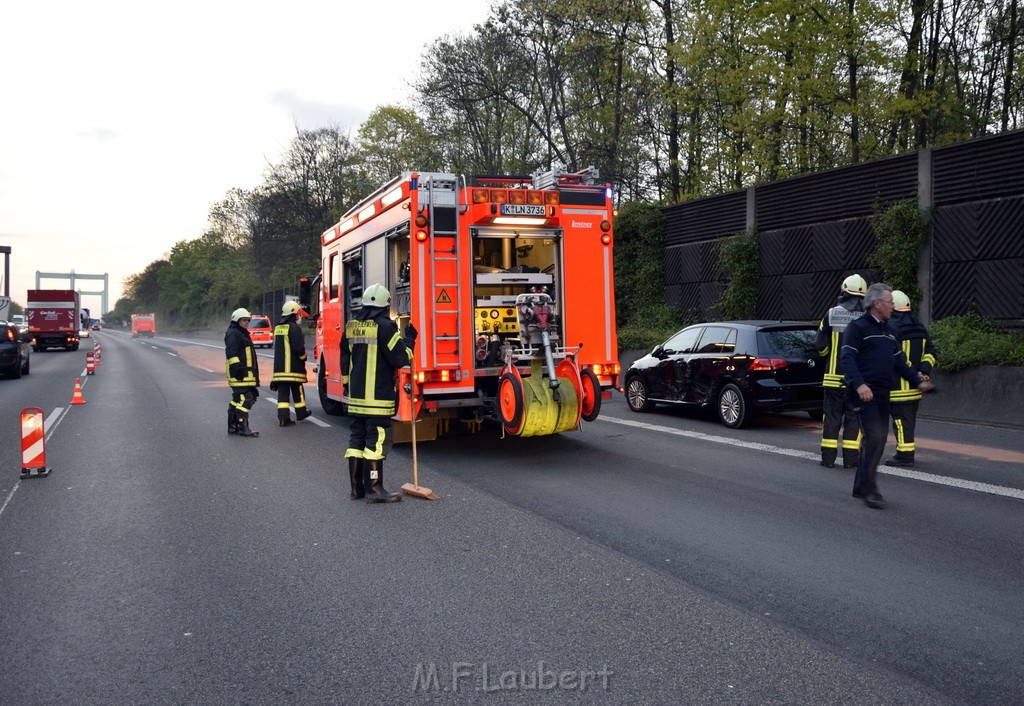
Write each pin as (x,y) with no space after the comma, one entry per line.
(412,380)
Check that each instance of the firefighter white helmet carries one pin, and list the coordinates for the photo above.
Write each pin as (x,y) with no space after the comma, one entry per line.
(376,295)
(900,301)
(240,313)
(292,307)
(855,285)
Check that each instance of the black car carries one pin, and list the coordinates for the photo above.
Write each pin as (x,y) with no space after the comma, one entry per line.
(15,348)
(739,367)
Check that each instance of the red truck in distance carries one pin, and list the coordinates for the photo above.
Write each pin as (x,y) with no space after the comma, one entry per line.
(53,318)
(143,325)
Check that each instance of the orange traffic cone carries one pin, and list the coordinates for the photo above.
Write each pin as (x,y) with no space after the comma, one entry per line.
(77,397)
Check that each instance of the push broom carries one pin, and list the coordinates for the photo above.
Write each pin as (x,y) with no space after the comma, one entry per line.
(414,488)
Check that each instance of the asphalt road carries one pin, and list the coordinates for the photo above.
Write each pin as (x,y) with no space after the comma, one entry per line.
(657,558)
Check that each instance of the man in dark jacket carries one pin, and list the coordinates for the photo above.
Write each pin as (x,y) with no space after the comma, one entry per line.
(290,365)
(904,400)
(871,358)
(838,410)
(371,351)
(243,373)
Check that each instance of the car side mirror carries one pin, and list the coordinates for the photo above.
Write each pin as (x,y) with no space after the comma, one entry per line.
(659,351)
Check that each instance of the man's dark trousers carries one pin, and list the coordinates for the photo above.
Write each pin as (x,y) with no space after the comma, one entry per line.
(874,429)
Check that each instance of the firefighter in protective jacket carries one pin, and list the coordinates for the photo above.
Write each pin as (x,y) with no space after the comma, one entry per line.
(371,351)
(243,373)
(838,408)
(904,400)
(290,365)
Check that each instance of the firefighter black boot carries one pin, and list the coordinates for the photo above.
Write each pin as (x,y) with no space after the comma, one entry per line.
(355,475)
(850,458)
(243,426)
(232,420)
(301,413)
(373,482)
(828,458)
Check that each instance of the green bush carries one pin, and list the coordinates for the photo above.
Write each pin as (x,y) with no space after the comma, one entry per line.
(642,317)
(971,340)
(739,260)
(901,231)
(647,328)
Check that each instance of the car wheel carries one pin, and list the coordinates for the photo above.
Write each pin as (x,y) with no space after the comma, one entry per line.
(28,366)
(15,371)
(732,407)
(330,406)
(637,395)
(590,405)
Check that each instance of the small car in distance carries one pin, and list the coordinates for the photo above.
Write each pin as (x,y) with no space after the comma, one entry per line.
(84,333)
(737,368)
(261,332)
(15,349)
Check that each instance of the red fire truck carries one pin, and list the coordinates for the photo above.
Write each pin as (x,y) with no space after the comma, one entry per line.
(143,325)
(509,281)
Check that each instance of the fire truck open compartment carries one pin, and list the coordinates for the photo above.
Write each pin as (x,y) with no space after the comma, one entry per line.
(507,264)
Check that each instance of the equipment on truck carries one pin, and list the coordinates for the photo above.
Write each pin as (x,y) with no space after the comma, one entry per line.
(509,281)
(53,318)
(143,325)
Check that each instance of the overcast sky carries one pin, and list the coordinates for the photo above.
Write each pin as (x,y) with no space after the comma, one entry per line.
(122,122)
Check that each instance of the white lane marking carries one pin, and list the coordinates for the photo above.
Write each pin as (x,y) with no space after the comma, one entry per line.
(194,343)
(795,453)
(316,421)
(207,370)
(174,354)
(9,496)
(48,426)
(49,421)
(154,348)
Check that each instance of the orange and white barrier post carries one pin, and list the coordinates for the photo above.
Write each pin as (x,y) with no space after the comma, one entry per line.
(90,366)
(33,446)
(96,353)
(77,397)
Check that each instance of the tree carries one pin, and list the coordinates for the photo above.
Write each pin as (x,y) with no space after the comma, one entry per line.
(394,140)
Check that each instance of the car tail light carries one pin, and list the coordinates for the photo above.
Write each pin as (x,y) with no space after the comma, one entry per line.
(768,364)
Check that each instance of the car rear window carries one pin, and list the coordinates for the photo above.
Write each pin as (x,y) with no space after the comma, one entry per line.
(786,343)
(259,323)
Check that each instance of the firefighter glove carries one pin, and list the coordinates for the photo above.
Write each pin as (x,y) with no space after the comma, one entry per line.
(273,385)
(411,333)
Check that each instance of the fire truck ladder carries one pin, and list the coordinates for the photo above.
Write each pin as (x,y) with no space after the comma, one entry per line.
(445,272)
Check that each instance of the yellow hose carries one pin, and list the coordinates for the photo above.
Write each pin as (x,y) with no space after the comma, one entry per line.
(542,415)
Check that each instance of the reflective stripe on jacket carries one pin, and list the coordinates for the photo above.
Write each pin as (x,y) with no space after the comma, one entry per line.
(238,350)
(289,351)
(371,351)
(917,346)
